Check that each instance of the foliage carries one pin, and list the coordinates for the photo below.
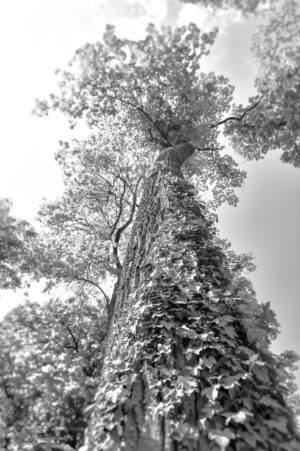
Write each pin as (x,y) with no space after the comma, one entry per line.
(274,122)
(248,6)
(15,247)
(164,104)
(50,359)
(286,366)
(127,80)
(84,233)
(259,320)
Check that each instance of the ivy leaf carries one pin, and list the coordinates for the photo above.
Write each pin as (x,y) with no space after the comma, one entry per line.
(209,362)
(247,403)
(230,331)
(254,360)
(269,402)
(222,438)
(280,424)
(190,351)
(229,382)
(167,325)
(171,273)
(249,439)
(206,335)
(185,331)
(114,395)
(194,350)
(163,348)
(291,446)
(187,383)
(239,417)
(211,392)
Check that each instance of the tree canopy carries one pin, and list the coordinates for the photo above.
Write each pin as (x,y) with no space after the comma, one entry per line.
(124,82)
(274,122)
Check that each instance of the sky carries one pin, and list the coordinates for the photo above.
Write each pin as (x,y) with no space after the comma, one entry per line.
(38,36)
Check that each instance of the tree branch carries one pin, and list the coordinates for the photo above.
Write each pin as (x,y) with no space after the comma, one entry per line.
(83,279)
(72,335)
(234,118)
(6,391)
(139,108)
(207,149)
(124,227)
(120,207)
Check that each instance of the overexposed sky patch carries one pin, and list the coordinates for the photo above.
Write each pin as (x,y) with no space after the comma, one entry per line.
(267,223)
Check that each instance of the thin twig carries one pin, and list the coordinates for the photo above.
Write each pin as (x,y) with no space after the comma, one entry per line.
(124,227)
(120,208)
(72,335)
(83,279)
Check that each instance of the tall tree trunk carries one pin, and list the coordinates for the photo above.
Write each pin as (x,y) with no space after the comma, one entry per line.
(179,372)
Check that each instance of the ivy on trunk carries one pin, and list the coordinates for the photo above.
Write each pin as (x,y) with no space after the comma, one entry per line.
(180,372)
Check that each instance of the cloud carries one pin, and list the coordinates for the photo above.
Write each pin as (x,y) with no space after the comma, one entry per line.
(206,19)
(155,9)
(90,4)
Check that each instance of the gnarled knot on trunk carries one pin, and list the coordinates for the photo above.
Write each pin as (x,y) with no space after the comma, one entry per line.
(172,158)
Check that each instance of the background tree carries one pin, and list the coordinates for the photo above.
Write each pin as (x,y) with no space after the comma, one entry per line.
(50,358)
(83,234)
(15,247)
(274,122)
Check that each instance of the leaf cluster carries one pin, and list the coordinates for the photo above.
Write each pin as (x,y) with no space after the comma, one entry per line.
(156,80)
(246,7)
(16,237)
(274,122)
(50,358)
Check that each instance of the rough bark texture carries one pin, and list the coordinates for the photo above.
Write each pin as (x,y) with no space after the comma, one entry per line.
(179,373)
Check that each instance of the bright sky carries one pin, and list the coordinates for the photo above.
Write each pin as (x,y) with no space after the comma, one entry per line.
(37,36)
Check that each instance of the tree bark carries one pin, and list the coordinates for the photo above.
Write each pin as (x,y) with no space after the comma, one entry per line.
(179,372)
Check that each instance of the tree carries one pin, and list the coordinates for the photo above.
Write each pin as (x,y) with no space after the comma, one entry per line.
(83,234)
(181,370)
(15,253)
(273,123)
(50,358)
